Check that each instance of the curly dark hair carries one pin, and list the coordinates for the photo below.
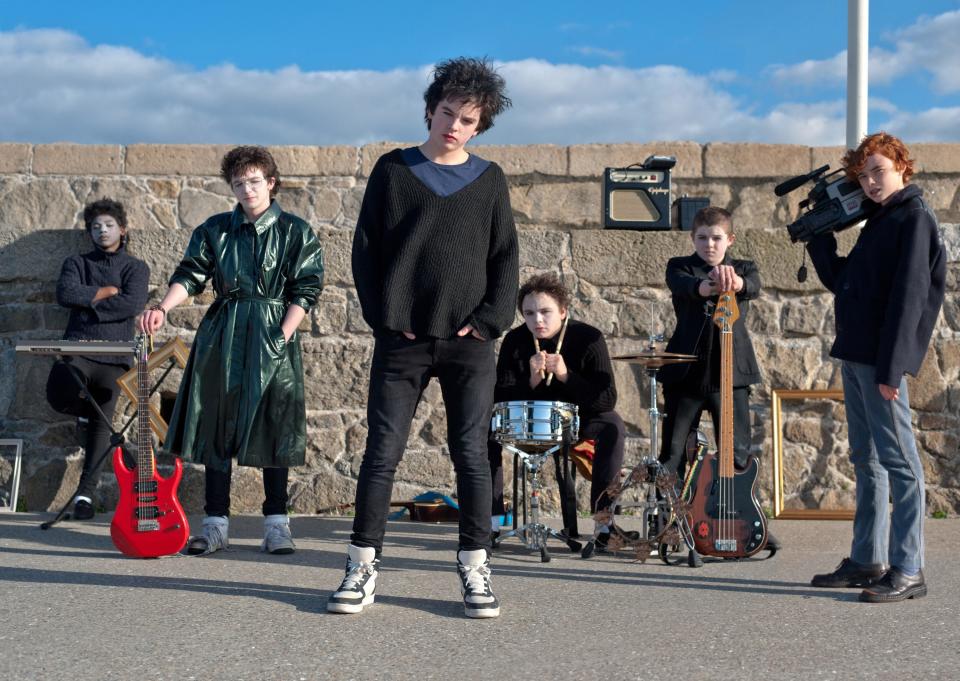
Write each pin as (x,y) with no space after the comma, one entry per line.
(548,283)
(712,216)
(239,160)
(470,80)
(878,143)
(104,206)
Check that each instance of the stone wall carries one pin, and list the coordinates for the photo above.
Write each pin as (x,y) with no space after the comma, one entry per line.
(617,277)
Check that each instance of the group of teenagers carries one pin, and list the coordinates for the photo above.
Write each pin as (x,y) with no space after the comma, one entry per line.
(436,268)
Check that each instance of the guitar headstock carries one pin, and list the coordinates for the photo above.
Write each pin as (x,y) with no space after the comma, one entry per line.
(142,347)
(726,312)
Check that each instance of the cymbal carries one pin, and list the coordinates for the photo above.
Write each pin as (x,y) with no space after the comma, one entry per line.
(651,359)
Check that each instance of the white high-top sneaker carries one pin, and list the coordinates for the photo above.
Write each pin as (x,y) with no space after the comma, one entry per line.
(359,581)
(474,570)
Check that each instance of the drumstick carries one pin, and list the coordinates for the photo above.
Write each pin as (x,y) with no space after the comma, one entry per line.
(563,331)
(536,346)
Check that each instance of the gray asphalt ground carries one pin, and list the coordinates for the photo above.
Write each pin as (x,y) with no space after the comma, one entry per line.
(71,607)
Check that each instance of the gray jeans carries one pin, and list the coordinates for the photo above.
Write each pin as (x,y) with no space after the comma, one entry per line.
(887,467)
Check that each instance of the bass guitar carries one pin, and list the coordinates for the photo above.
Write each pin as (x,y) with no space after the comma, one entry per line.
(725,517)
(149,521)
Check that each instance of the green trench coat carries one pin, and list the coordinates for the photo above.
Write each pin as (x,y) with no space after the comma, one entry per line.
(242,389)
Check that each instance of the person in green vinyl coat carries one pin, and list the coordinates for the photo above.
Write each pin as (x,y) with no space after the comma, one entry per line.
(242,391)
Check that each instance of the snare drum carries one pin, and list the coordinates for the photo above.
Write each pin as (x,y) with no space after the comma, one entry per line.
(534,424)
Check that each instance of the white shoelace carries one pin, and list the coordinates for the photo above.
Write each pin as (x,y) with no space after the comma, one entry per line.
(477,578)
(355,574)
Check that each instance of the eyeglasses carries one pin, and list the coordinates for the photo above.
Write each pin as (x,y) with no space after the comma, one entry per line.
(252,183)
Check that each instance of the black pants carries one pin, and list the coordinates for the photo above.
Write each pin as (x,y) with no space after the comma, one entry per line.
(400,371)
(66,397)
(683,410)
(607,431)
(218,490)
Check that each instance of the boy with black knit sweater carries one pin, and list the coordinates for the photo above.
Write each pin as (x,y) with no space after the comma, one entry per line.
(436,269)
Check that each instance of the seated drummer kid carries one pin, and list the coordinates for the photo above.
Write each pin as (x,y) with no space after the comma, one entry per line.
(582,375)
(694,281)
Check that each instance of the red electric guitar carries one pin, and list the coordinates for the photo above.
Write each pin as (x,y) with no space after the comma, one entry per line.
(725,517)
(149,521)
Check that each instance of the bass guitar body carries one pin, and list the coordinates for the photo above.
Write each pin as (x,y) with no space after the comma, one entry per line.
(727,520)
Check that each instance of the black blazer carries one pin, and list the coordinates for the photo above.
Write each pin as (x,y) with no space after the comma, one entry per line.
(888,291)
(684,275)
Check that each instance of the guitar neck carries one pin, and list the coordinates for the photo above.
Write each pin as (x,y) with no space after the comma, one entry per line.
(726,405)
(146,463)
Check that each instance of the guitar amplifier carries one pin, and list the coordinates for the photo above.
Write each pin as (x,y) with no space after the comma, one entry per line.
(638,196)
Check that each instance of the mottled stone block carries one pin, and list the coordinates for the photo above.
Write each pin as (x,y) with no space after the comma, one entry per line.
(37,256)
(565,203)
(77,159)
(826,156)
(369,153)
(724,159)
(589,160)
(195,206)
(337,246)
(625,258)
(542,249)
(936,158)
(41,203)
(546,159)
(308,161)
(175,159)
(14,158)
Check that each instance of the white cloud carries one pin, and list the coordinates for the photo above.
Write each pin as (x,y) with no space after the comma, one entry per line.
(934,125)
(59,88)
(929,45)
(588,51)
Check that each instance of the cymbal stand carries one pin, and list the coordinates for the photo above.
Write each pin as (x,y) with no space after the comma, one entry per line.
(657,514)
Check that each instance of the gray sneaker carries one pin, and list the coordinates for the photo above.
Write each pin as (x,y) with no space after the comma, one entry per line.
(213,538)
(276,536)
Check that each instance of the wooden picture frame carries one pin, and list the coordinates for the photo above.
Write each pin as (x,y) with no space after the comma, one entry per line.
(777,396)
(175,350)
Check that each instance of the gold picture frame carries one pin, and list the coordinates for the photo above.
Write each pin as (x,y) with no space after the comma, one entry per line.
(175,350)
(777,397)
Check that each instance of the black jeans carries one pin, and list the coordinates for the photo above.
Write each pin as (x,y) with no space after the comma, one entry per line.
(607,431)
(65,396)
(400,371)
(683,410)
(217,490)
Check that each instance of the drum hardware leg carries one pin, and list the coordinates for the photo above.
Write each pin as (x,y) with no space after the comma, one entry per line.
(532,532)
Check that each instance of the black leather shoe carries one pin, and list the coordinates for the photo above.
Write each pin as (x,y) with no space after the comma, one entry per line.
(850,574)
(895,586)
(83,510)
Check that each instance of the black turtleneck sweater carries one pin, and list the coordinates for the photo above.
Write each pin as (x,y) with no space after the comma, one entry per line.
(111,319)
(432,264)
(590,383)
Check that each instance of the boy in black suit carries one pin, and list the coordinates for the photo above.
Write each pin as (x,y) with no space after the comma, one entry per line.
(695,281)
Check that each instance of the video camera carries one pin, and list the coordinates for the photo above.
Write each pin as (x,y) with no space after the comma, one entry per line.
(831,206)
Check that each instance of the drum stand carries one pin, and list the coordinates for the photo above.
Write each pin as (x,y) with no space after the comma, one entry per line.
(533,534)
(658,515)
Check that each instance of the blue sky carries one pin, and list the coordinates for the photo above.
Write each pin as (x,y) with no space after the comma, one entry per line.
(348,73)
